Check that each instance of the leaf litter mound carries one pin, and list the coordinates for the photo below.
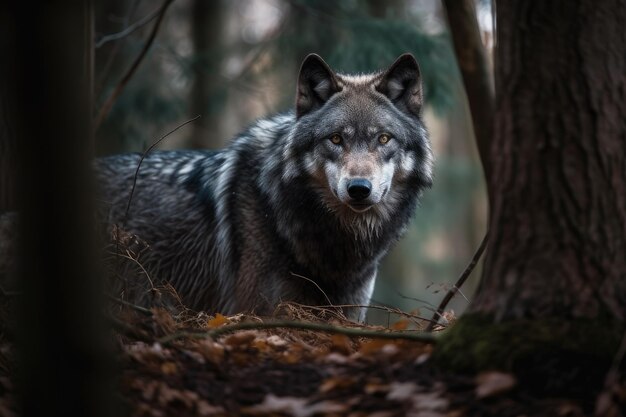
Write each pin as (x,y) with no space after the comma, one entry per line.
(181,363)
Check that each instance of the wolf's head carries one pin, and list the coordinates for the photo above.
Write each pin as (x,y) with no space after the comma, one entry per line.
(361,138)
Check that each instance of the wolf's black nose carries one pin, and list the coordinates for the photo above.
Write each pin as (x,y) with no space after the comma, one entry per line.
(359,188)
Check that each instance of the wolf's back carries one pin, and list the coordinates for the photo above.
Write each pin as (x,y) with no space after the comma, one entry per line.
(172,210)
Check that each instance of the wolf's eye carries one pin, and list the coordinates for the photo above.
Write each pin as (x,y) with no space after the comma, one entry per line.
(384,138)
(336,139)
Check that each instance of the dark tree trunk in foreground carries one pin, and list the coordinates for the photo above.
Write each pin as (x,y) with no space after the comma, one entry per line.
(558,221)
(59,333)
(7,154)
(7,121)
(554,279)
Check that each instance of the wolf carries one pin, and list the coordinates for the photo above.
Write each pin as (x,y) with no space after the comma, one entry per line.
(300,207)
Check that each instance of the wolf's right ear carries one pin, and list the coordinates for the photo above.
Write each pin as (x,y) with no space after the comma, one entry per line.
(316,84)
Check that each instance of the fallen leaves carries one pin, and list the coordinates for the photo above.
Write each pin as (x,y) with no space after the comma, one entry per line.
(489,384)
(270,372)
(217,321)
(297,407)
(296,372)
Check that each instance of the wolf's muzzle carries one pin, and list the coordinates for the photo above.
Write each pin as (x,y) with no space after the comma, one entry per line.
(359,189)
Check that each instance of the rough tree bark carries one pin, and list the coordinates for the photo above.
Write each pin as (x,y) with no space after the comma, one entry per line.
(7,128)
(554,274)
(207,34)
(559,157)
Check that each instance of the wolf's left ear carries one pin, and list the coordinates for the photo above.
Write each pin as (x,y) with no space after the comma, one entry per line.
(316,84)
(402,84)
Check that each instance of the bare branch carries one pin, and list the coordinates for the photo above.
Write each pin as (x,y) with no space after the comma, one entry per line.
(459,283)
(128,30)
(108,104)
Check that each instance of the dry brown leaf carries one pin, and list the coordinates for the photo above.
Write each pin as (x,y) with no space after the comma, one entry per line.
(341,344)
(402,324)
(168,395)
(169,368)
(493,383)
(211,351)
(375,387)
(294,354)
(429,404)
(372,347)
(400,391)
(241,338)
(297,407)
(203,408)
(276,341)
(147,389)
(336,382)
(217,321)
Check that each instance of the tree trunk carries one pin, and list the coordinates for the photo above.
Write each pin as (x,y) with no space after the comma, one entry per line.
(553,290)
(7,154)
(476,72)
(7,122)
(207,34)
(60,333)
(558,222)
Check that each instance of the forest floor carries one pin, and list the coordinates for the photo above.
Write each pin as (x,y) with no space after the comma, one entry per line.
(199,365)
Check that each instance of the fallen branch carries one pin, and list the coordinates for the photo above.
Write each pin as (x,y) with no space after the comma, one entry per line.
(439,313)
(319,327)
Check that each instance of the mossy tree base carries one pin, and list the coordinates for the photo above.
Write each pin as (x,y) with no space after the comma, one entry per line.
(549,356)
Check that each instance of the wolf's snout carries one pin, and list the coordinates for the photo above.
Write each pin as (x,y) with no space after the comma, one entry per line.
(359,188)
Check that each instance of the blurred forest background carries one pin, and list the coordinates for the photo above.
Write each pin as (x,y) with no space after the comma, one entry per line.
(235,61)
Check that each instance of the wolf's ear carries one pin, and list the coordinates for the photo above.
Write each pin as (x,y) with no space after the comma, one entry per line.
(402,84)
(316,84)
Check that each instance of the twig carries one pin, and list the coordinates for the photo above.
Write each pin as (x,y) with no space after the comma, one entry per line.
(314,283)
(135,307)
(132,191)
(128,30)
(319,327)
(459,283)
(104,71)
(376,307)
(106,107)
(419,300)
